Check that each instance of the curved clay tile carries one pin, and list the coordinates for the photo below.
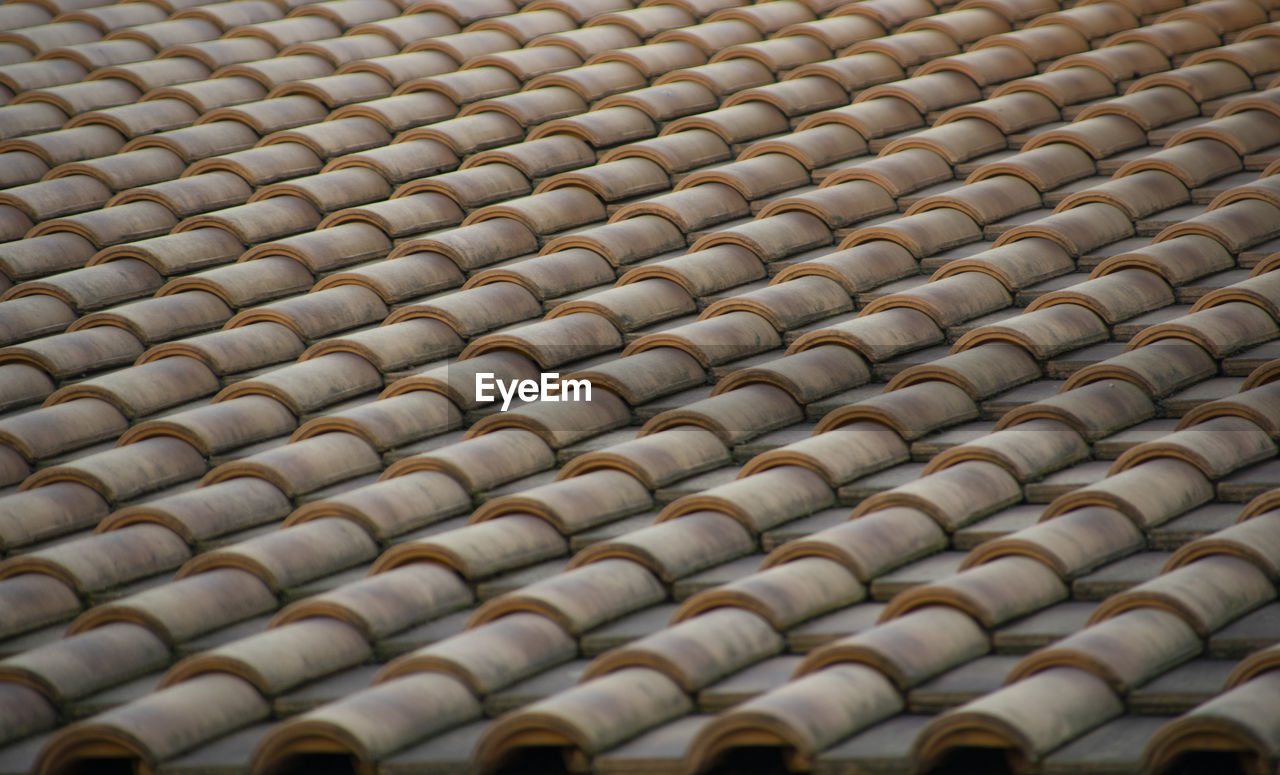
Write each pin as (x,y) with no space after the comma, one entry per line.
(587,42)
(394,348)
(995,592)
(242,286)
(1068,86)
(913,411)
(1028,453)
(1015,723)
(1017,265)
(1092,22)
(838,205)
(852,73)
(386,509)
(574,504)
(1046,167)
(734,417)
(839,456)
(1143,193)
(1220,330)
(475,310)
(399,69)
(647,21)
(655,460)
(532,107)
(1039,44)
(949,301)
(1253,404)
(130,734)
(908,649)
(890,15)
(687,652)
(1073,543)
(388,422)
(67,145)
(1159,368)
(619,587)
(1011,113)
(214,429)
(987,201)
(644,376)
(1242,443)
(1238,225)
(553,342)
(127,170)
(771,237)
(710,37)
(632,306)
(953,497)
(818,146)
(1133,493)
(1203,82)
(623,242)
(268,660)
(677,152)
(1047,332)
(716,340)
(357,727)
(524,27)
(984,67)
(981,370)
(801,718)
(50,430)
(387,602)
(734,125)
(282,559)
(908,170)
(126,648)
(784,594)
(294,385)
(760,501)
(62,355)
(556,274)
(1207,593)
(809,375)
(692,209)
(94,287)
(528,644)
(601,128)
(870,545)
(573,721)
(612,181)
(788,305)
(675,549)
(456,380)
(547,213)
(476,245)
(1080,230)
(1128,294)
(402,162)
(473,187)
(892,331)
(123,473)
(475,552)
(146,388)
(1249,540)
(1172,37)
(1225,725)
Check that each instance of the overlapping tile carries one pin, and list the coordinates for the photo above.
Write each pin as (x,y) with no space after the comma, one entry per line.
(727,86)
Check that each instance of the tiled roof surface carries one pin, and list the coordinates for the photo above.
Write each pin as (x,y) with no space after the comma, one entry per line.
(936,369)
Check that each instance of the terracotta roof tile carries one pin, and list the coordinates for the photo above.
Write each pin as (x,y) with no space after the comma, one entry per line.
(389,147)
